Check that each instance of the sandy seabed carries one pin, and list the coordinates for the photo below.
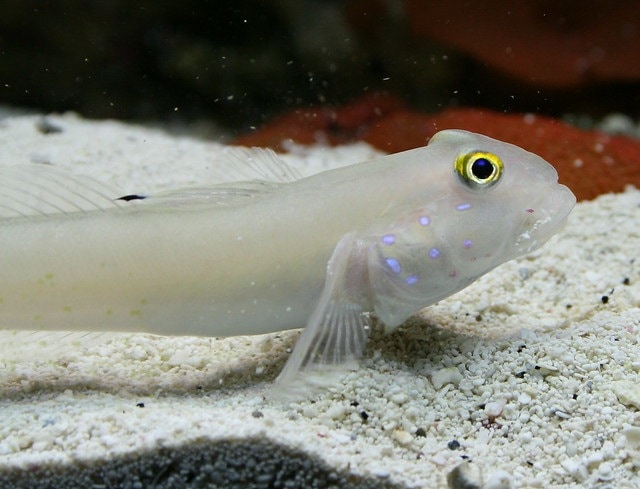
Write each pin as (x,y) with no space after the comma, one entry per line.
(528,378)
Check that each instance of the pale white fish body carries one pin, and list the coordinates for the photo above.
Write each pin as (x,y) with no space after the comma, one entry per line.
(386,237)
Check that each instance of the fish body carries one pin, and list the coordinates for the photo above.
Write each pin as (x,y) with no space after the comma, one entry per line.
(383,238)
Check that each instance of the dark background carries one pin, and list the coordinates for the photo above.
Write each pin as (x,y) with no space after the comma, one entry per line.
(240,62)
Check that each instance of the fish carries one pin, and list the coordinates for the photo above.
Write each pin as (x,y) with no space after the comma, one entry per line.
(334,253)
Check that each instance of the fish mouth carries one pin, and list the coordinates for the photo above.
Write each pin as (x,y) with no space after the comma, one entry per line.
(545,219)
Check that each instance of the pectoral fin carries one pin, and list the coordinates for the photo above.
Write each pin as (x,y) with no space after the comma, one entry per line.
(337,330)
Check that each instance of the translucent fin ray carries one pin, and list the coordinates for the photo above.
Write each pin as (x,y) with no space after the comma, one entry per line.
(40,190)
(190,198)
(242,164)
(335,335)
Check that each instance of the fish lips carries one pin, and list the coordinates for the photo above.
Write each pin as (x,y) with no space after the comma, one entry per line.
(544,219)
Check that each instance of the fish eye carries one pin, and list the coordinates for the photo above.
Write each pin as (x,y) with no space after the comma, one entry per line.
(479,169)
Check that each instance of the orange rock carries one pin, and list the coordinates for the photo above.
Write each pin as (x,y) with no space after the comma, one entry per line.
(323,124)
(543,43)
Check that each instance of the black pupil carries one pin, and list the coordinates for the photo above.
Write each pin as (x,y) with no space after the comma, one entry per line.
(482,168)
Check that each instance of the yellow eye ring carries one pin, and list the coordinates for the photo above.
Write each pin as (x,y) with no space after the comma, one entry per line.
(479,169)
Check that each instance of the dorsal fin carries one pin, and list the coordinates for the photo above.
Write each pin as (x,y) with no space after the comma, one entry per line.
(245,173)
(245,164)
(38,190)
(191,198)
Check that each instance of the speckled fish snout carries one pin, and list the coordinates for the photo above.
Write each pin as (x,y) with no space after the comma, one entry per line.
(544,218)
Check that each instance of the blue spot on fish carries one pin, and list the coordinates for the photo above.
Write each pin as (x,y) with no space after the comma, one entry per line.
(412,279)
(434,253)
(388,239)
(467,243)
(424,220)
(463,207)
(393,264)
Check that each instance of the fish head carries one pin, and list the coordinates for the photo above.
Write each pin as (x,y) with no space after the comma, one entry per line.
(505,197)
(476,203)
